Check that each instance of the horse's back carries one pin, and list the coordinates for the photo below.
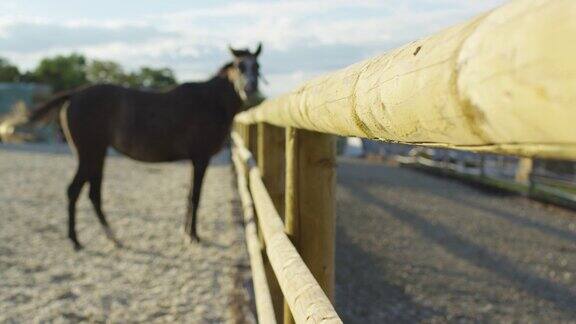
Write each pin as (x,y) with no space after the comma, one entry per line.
(150,126)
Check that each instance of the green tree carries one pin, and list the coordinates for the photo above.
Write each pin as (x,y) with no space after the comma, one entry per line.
(8,72)
(68,72)
(112,72)
(106,72)
(154,78)
(61,72)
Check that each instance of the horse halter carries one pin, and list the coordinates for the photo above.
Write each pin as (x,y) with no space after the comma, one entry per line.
(244,75)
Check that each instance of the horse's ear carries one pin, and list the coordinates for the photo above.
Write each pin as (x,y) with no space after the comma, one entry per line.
(234,52)
(259,49)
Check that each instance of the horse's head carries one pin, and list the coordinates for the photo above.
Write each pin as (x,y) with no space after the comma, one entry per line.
(245,72)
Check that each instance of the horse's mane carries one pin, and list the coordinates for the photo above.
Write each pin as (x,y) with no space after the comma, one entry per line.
(223,70)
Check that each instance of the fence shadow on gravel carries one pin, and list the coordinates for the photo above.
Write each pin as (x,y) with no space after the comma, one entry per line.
(562,297)
(360,285)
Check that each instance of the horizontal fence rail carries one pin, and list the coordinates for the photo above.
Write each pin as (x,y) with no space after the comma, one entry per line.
(503,82)
(306,299)
(264,306)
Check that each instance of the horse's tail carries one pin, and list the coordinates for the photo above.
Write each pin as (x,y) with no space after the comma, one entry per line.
(47,110)
(19,123)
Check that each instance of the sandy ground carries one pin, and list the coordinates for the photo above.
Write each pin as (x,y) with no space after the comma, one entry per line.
(157,277)
(412,247)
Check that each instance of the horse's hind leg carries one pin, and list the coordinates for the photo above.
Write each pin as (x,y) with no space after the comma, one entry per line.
(84,138)
(73,193)
(95,195)
(90,166)
(200,166)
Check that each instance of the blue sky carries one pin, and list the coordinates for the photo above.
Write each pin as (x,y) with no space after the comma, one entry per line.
(302,38)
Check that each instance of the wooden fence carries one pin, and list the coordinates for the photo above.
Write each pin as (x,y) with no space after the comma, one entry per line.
(503,82)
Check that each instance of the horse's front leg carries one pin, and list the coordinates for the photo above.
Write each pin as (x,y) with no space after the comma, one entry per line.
(199,166)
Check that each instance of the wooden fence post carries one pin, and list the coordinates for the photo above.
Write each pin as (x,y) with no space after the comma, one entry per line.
(270,152)
(310,203)
(524,170)
(252,140)
(272,162)
(247,132)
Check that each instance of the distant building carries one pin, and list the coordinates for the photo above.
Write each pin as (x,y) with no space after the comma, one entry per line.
(29,93)
(26,95)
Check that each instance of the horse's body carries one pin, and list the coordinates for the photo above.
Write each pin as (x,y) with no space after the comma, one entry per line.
(189,122)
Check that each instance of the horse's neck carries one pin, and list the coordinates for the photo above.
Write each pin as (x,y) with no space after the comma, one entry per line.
(232,100)
(226,95)
(218,90)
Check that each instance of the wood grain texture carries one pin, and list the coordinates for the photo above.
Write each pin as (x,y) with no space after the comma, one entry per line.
(502,82)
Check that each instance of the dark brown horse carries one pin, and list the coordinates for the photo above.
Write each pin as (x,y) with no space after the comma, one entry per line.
(189,122)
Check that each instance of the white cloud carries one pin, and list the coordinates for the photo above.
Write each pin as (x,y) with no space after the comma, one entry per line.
(257,9)
(7,6)
(310,37)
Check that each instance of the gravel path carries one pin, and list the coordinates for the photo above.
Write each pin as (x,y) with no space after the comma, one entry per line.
(412,247)
(157,277)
